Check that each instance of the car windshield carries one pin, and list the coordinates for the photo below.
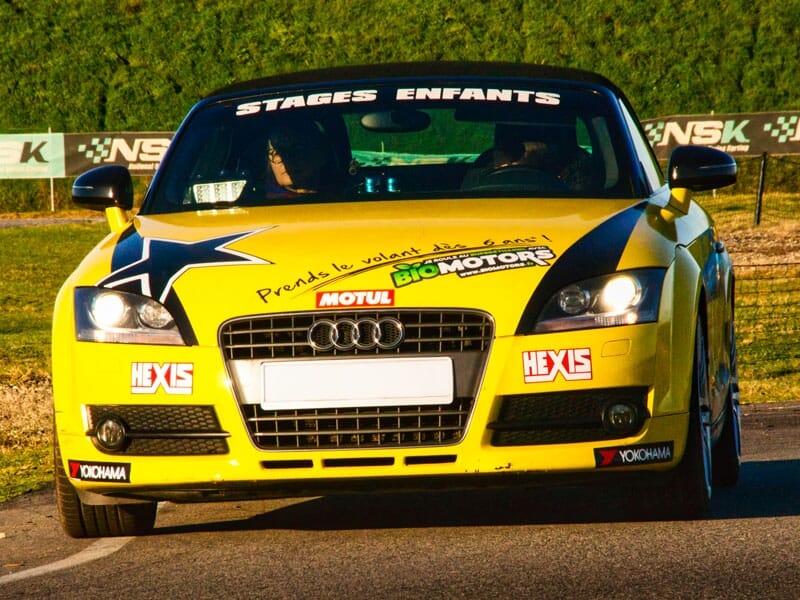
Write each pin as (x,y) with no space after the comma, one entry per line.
(362,142)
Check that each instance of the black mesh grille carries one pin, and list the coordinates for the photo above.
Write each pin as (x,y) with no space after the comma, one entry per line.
(174,446)
(157,417)
(562,417)
(358,427)
(463,336)
(171,430)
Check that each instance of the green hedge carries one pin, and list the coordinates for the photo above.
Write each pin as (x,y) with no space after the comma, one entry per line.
(138,65)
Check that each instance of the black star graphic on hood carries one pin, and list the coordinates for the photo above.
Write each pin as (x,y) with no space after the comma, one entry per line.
(150,266)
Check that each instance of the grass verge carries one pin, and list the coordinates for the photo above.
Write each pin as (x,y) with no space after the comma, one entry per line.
(26,426)
(34,261)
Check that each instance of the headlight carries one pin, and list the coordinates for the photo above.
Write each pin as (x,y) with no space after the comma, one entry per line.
(624,298)
(112,316)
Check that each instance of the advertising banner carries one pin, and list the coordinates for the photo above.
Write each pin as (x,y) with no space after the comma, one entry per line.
(141,153)
(31,156)
(52,155)
(750,134)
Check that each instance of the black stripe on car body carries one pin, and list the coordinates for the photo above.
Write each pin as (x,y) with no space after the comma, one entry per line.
(596,253)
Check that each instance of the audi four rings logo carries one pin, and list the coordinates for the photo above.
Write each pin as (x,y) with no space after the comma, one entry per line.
(385,333)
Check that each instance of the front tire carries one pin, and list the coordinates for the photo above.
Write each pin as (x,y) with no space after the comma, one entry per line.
(689,491)
(728,450)
(80,520)
(686,491)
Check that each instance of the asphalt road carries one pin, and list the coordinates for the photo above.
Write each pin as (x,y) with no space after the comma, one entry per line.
(512,544)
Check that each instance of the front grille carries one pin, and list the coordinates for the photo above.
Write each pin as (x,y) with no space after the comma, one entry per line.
(163,430)
(463,336)
(561,417)
(358,427)
(286,336)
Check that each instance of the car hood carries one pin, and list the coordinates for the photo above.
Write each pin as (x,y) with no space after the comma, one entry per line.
(498,256)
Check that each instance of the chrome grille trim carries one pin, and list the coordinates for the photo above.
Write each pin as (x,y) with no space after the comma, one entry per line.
(285,336)
(465,336)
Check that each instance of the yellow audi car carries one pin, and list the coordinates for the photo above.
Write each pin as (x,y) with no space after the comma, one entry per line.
(393,277)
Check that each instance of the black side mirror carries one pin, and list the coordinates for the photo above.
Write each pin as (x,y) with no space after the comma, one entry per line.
(105,186)
(700,168)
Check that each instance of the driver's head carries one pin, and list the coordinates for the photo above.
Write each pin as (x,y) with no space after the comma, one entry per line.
(508,145)
(528,143)
(301,155)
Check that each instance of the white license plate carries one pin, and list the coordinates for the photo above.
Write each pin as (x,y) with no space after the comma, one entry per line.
(350,383)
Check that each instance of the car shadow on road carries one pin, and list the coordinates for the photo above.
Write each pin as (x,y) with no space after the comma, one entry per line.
(765,489)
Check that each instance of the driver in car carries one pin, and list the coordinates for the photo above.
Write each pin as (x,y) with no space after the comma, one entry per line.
(301,159)
(548,148)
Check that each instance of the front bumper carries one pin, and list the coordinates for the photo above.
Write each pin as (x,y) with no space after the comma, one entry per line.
(218,457)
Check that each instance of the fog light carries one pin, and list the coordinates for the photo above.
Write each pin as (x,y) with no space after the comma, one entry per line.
(621,418)
(111,433)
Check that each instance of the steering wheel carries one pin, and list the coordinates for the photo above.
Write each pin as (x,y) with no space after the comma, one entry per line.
(520,177)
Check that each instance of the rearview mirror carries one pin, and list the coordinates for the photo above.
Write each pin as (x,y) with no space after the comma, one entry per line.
(396,121)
